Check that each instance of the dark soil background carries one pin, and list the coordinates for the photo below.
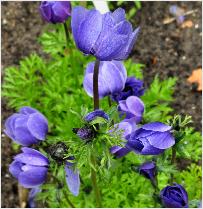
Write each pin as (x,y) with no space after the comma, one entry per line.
(177,52)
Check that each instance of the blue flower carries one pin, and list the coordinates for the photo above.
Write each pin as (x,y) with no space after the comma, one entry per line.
(107,36)
(112,78)
(30,168)
(55,11)
(133,87)
(132,107)
(151,139)
(174,196)
(27,127)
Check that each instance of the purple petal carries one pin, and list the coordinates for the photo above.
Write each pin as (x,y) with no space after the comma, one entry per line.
(15,168)
(61,10)
(33,177)
(32,194)
(10,124)
(97,113)
(78,15)
(127,126)
(27,110)
(135,105)
(38,125)
(32,157)
(183,191)
(119,151)
(118,15)
(161,140)
(156,126)
(72,180)
(89,30)
(21,132)
(45,10)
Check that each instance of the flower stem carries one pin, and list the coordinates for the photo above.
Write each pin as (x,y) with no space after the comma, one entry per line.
(66,32)
(67,199)
(109,101)
(93,160)
(94,183)
(173,158)
(95,85)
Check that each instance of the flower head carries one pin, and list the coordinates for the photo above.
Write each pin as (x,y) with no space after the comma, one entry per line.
(27,127)
(96,113)
(55,11)
(148,170)
(112,78)
(127,126)
(133,87)
(174,196)
(132,107)
(30,168)
(107,36)
(151,139)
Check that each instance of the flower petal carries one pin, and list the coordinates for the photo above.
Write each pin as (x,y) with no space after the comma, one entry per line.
(72,180)
(118,15)
(119,151)
(77,17)
(89,30)
(156,126)
(161,140)
(38,125)
(15,168)
(33,177)
(135,105)
(27,110)
(32,194)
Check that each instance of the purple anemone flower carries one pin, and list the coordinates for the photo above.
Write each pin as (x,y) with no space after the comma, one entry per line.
(132,107)
(27,127)
(30,168)
(55,11)
(127,126)
(112,78)
(31,198)
(72,178)
(151,139)
(133,87)
(107,36)
(96,113)
(174,196)
(148,170)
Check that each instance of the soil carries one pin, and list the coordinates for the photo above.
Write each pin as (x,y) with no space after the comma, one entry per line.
(167,50)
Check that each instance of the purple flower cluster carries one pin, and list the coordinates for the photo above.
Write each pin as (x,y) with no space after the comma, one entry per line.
(29,127)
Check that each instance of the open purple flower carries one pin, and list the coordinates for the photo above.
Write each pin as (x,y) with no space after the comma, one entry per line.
(148,170)
(107,36)
(112,78)
(30,168)
(174,196)
(151,139)
(133,87)
(55,11)
(127,126)
(72,178)
(27,127)
(132,107)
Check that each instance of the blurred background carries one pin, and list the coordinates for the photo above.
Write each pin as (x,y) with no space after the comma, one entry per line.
(164,46)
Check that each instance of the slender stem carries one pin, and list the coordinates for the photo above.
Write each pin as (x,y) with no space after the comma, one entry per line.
(66,32)
(68,200)
(95,85)
(173,158)
(94,183)
(109,101)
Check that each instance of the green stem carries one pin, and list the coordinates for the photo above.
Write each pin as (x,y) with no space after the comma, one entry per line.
(68,200)
(93,160)
(94,183)
(173,158)
(109,101)
(66,32)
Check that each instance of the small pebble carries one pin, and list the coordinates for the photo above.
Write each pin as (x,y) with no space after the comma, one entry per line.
(4,21)
(193,107)
(183,57)
(3,135)
(196,26)
(7,175)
